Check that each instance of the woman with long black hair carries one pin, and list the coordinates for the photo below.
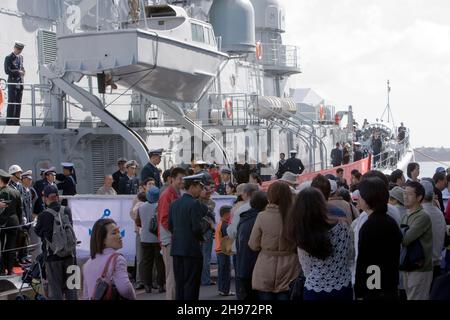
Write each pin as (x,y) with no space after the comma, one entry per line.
(325,247)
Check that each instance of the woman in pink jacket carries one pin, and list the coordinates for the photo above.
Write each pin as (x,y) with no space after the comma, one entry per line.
(105,241)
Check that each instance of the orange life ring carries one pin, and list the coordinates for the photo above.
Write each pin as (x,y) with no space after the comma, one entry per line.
(322,112)
(2,99)
(229,107)
(259,51)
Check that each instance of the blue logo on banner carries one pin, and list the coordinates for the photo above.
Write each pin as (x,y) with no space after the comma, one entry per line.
(107,214)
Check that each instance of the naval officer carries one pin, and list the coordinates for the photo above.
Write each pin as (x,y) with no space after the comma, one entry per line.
(16,73)
(130,183)
(293,164)
(10,216)
(67,181)
(150,170)
(226,180)
(119,174)
(188,227)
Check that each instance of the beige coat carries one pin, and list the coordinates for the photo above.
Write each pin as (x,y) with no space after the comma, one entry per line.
(277,264)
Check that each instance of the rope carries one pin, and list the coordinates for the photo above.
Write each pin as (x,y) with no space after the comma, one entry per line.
(429,157)
(17,227)
(17,249)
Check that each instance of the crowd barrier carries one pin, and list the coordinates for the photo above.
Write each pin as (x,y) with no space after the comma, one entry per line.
(362,166)
(87,209)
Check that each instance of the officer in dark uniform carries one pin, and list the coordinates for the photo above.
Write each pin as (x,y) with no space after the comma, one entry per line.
(130,183)
(10,216)
(68,181)
(226,179)
(150,170)
(358,154)
(39,187)
(49,179)
(16,72)
(121,173)
(187,226)
(293,164)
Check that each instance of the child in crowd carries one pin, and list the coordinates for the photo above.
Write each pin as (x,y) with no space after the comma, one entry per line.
(223,258)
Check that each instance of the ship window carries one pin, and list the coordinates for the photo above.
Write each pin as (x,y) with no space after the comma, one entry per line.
(212,37)
(197,33)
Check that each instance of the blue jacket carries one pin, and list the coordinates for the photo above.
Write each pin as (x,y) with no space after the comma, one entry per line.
(187,226)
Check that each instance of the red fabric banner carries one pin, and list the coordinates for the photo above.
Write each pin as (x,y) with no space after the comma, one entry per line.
(362,166)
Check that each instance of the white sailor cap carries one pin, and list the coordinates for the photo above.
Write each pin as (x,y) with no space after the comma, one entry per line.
(155,152)
(293,152)
(50,170)
(4,174)
(131,163)
(14,169)
(67,165)
(200,163)
(122,160)
(42,170)
(19,45)
(226,170)
(27,174)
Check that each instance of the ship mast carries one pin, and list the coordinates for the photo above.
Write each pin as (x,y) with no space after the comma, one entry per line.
(388,109)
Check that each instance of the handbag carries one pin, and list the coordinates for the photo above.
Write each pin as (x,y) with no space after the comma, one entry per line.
(105,288)
(296,288)
(412,257)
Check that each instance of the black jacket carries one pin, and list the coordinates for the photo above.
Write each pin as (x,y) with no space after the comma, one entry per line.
(187,226)
(379,244)
(245,257)
(12,215)
(128,186)
(67,185)
(440,199)
(44,229)
(14,64)
(377,145)
(358,155)
(116,179)
(336,157)
(294,165)
(150,171)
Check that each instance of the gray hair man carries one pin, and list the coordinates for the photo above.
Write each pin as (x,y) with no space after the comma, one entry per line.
(107,188)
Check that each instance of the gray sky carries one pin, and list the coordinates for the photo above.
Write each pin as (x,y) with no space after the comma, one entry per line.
(349,48)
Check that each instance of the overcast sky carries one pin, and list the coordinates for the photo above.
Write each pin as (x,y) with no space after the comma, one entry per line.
(349,48)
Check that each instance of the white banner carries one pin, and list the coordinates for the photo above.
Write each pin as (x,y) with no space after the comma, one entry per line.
(86,210)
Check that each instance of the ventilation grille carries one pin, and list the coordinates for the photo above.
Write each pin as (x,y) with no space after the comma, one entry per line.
(47,46)
(105,152)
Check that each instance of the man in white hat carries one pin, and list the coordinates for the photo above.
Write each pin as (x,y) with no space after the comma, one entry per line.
(68,181)
(130,183)
(15,182)
(16,73)
(293,164)
(357,154)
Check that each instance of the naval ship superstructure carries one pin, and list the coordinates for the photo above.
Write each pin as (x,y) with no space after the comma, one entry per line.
(203,79)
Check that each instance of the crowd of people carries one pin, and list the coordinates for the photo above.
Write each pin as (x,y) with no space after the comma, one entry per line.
(329,233)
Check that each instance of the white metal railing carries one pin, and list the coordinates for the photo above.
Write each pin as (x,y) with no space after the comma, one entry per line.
(35,109)
(280,56)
